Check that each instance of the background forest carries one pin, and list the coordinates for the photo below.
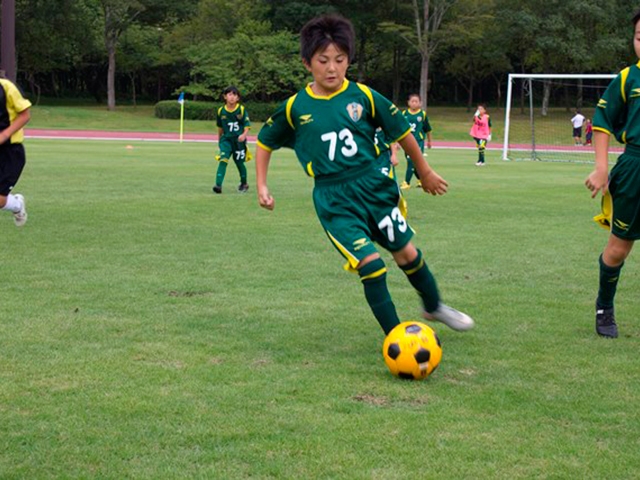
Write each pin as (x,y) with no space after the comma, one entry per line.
(144,51)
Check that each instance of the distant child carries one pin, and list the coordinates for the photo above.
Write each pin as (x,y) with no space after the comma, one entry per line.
(233,127)
(387,150)
(14,115)
(481,132)
(617,114)
(588,132)
(577,121)
(332,124)
(388,161)
(420,127)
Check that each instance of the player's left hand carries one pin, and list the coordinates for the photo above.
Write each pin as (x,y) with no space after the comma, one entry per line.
(242,137)
(434,184)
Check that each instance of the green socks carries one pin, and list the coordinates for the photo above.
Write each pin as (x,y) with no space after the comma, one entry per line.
(374,279)
(222,171)
(243,171)
(608,283)
(422,280)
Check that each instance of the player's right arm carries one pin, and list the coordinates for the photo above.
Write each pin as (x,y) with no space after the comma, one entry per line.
(598,180)
(606,121)
(277,132)
(263,157)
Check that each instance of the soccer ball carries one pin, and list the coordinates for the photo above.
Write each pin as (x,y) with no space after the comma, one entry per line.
(412,350)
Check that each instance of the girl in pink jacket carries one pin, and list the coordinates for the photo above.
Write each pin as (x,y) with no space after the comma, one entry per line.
(481,132)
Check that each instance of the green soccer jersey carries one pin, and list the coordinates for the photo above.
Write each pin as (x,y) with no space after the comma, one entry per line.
(618,111)
(232,123)
(333,134)
(419,124)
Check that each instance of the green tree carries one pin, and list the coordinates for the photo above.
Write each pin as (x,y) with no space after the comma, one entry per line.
(54,36)
(118,15)
(263,65)
(423,35)
(474,48)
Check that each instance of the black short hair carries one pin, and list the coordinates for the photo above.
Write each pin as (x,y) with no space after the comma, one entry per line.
(231,89)
(636,18)
(320,32)
(414,94)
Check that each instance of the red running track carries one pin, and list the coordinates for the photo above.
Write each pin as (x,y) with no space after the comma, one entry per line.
(205,137)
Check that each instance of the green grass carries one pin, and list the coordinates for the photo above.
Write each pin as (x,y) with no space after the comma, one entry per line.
(149,329)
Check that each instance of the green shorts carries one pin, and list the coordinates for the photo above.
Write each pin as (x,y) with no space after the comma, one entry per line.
(232,148)
(624,186)
(360,207)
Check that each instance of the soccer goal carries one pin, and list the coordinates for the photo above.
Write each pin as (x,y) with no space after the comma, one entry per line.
(539,113)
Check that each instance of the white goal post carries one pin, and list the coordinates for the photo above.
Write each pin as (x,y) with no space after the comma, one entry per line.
(527,84)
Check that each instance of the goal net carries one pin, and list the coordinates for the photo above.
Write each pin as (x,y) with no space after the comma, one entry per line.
(539,113)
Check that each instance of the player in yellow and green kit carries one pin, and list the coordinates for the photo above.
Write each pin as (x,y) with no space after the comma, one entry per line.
(331,125)
(420,128)
(617,114)
(233,127)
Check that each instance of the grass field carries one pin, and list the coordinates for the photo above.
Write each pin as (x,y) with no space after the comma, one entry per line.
(149,329)
(449,123)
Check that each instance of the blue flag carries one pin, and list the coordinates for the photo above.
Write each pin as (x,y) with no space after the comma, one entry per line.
(181,98)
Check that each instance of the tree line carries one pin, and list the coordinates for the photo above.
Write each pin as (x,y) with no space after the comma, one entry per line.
(455,52)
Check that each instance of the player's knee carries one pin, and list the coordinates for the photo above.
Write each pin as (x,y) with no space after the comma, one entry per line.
(373,270)
(616,253)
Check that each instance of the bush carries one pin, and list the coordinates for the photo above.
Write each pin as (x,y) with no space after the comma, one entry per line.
(192,110)
(197,110)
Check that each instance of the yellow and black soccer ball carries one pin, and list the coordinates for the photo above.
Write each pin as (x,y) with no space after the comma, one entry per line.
(412,350)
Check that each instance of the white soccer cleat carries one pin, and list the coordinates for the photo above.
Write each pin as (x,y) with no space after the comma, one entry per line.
(451,317)
(20,218)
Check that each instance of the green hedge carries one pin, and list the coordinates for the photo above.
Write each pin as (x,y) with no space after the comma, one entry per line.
(196,110)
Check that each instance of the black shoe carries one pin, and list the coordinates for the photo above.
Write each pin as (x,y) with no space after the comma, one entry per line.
(243,188)
(606,323)
(217,189)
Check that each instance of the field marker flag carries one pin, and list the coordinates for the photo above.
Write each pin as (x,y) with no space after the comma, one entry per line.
(181,102)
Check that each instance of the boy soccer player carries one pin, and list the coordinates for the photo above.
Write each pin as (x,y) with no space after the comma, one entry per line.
(331,124)
(233,127)
(14,115)
(420,127)
(618,114)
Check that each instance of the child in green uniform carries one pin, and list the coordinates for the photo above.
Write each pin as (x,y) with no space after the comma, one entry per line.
(233,127)
(618,114)
(331,124)
(387,152)
(420,128)
(14,115)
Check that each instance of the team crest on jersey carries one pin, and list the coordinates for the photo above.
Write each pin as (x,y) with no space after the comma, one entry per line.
(355,111)
(239,116)
(420,118)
